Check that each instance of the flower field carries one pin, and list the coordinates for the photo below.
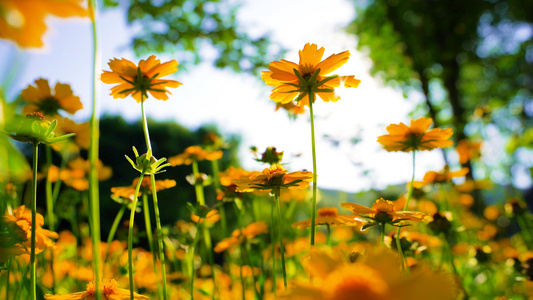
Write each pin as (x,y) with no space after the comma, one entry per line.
(224,232)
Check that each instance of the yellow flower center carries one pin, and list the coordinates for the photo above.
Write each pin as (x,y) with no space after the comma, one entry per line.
(327,212)
(382,205)
(91,288)
(355,281)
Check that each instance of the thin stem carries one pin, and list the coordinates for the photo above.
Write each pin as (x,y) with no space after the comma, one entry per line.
(243,283)
(50,210)
(382,233)
(148,226)
(130,234)
(159,236)
(311,96)
(193,270)
(272,238)
(282,250)
(405,267)
(93,152)
(329,234)
(145,126)
(113,230)
(221,209)
(33,282)
(7,278)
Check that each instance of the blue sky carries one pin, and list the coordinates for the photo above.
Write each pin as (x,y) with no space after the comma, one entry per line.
(239,103)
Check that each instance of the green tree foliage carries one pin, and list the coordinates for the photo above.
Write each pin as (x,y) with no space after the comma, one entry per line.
(193,26)
(471,60)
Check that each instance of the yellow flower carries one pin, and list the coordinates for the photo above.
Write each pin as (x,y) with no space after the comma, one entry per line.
(24,21)
(295,81)
(275,177)
(23,219)
(42,99)
(80,140)
(138,80)
(383,211)
(329,216)
(76,174)
(109,288)
(415,137)
(227,177)
(146,187)
(374,276)
(194,153)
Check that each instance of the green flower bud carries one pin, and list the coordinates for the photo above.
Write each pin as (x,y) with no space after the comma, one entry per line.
(146,163)
(35,129)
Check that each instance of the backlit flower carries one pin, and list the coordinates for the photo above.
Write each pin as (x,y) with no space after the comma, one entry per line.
(444,175)
(23,219)
(194,153)
(211,217)
(139,80)
(384,211)
(110,291)
(376,275)
(329,216)
(295,81)
(75,175)
(41,98)
(274,178)
(415,137)
(24,21)
(468,149)
(238,236)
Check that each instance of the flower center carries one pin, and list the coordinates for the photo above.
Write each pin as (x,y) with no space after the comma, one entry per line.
(327,212)
(49,106)
(110,287)
(355,281)
(91,288)
(383,217)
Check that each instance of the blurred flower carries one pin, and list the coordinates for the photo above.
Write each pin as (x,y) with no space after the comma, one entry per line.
(110,290)
(415,137)
(75,175)
(238,236)
(293,195)
(227,177)
(194,153)
(383,211)
(274,178)
(329,216)
(375,275)
(43,100)
(444,175)
(211,217)
(295,81)
(23,219)
(24,21)
(467,150)
(292,108)
(80,140)
(146,187)
(138,80)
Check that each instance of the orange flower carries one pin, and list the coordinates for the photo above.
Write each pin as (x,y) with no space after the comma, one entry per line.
(76,173)
(146,187)
(80,140)
(237,237)
(211,217)
(194,153)
(295,81)
(22,218)
(275,177)
(227,177)
(24,21)
(444,175)
(110,290)
(138,80)
(383,211)
(415,137)
(468,150)
(329,216)
(42,99)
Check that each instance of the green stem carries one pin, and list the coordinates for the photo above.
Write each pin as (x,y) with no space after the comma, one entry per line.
(382,233)
(145,126)
(221,209)
(130,234)
(329,234)
(148,226)
(313,208)
(50,210)
(159,236)
(405,267)
(33,282)
(191,259)
(7,278)
(282,250)
(247,261)
(93,152)
(272,238)
(243,283)
(113,230)
(57,186)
